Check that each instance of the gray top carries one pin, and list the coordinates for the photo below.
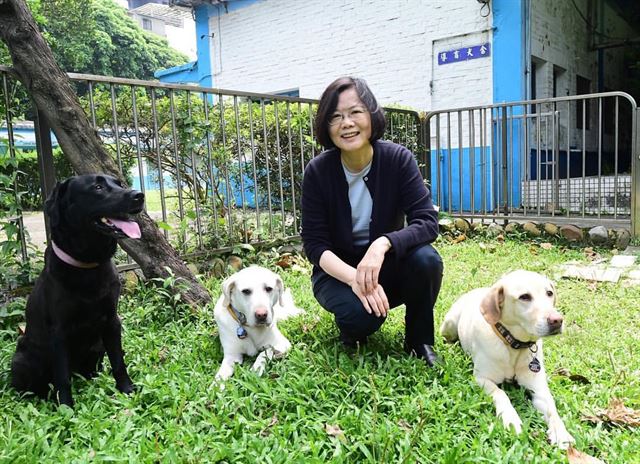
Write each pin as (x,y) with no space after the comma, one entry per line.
(361,204)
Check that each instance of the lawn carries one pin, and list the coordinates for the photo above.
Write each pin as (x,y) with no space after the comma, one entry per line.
(322,404)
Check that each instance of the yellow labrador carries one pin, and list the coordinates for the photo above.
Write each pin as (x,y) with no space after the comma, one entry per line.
(252,301)
(501,329)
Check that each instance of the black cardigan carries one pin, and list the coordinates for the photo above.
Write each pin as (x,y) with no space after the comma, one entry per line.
(397,190)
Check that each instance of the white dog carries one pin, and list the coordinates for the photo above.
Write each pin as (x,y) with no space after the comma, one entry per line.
(252,300)
(501,329)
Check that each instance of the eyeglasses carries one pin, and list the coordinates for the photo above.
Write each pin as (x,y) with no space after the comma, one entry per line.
(355,114)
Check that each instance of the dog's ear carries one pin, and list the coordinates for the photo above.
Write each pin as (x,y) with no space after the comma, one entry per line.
(227,287)
(53,203)
(280,290)
(491,304)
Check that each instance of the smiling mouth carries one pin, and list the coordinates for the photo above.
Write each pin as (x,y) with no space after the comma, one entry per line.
(555,331)
(349,135)
(119,227)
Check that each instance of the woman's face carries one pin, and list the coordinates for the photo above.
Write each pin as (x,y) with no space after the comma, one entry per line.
(350,123)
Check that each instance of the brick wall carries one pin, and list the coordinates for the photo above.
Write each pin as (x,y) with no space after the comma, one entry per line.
(281,45)
(560,46)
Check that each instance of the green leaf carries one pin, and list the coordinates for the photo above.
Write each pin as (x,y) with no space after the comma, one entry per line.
(164,226)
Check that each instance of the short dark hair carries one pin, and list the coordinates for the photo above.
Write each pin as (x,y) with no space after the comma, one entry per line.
(329,102)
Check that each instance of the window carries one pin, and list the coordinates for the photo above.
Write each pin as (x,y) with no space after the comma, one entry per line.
(533,84)
(539,69)
(583,86)
(147,25)
(559,82)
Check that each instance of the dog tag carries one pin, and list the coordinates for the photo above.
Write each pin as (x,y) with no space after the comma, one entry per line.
(241,332)
(534,365)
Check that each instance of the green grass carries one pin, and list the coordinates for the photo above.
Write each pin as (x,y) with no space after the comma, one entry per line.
(390,408)
(153,202)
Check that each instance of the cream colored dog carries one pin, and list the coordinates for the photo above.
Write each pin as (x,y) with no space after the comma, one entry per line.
(252,301)
(501,329)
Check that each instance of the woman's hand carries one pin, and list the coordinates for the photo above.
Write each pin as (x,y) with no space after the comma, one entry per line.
(376,301)
(368,269)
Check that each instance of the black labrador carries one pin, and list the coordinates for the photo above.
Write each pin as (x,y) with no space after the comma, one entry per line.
(71,312)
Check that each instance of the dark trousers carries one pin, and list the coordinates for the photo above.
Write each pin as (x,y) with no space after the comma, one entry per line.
(413,280)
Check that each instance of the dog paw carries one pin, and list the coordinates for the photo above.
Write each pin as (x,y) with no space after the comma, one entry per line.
(559,436)
(510,419)
(65,398)
(127,388)
(258,368)
(67,402)
(218,383)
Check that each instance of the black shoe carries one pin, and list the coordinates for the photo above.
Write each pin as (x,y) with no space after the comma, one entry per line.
(423,351)
(351,342)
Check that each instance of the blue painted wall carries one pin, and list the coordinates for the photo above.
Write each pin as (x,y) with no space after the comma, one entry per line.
(187,73)
(452,192)
(509,55)
(24,139)
(235,187)
(200,71)
(203,45)
(509,50)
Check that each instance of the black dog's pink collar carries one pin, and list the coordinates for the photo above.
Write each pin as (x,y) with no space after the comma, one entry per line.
(70,260)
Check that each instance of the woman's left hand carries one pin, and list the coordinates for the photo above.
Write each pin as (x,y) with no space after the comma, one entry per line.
(368,269)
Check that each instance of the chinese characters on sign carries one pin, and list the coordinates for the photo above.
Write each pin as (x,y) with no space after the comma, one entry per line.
(464,54)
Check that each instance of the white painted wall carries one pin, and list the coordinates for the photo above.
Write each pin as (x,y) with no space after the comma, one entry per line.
(183,38)
(280,45)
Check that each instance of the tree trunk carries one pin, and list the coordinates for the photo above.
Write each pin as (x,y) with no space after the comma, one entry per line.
(53,95)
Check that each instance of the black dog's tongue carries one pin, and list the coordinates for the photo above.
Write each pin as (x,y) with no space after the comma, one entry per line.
(130,228)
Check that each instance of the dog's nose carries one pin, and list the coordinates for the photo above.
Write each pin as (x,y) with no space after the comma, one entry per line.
(261,314)
(555,321)
(138,197)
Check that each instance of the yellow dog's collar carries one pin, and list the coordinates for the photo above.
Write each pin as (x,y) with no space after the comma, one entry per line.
(241,319)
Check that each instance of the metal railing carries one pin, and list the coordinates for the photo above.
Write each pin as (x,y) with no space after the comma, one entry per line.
(218,167)
(567,159)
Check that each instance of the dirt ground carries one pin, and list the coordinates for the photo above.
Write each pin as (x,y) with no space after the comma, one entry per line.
(34,224)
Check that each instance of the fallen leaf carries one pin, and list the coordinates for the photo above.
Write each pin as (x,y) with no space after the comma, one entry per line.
(564,372)
(578,457)
(334,431)
(500,238)
(403,424)
(616,414)
(459,238)
(546,246)
(265,431)
(591,254)
(163,353)
(285,261)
